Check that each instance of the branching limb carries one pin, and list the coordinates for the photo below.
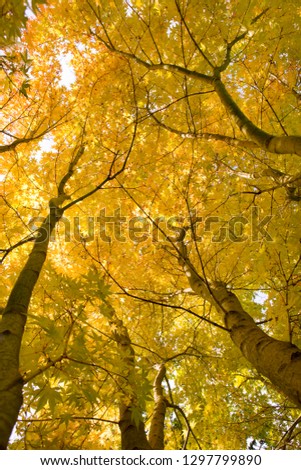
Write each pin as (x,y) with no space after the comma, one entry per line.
(150,65)
(34,135)
(189,428)
(288,435)
(6,251)
(266,141)
(231,44)
(71,418)
(153,301)
(182,17)
(112,173)
(245,144)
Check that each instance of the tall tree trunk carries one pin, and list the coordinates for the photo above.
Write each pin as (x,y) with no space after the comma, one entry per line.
(14,315)
(279,361)
(133,436)
(156,433)
(12,327)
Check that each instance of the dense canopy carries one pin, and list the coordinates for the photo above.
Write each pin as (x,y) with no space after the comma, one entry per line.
(150,224)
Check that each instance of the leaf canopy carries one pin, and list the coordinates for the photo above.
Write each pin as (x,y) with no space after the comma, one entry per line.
(140,120)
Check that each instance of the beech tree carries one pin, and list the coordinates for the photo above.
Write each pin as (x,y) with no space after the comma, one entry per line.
(150,241)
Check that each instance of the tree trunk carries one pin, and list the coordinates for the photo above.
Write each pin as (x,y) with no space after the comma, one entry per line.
(156,433)
(279,361)
(12,328)
(15,313)
(133,436)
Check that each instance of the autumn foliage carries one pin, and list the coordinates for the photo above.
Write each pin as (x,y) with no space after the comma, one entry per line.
(150,224)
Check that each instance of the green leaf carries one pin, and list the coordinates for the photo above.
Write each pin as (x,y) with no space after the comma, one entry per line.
(24,87)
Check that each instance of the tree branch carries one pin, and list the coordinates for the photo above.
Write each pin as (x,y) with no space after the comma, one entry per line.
(269,142)
(190,430)
(234,142)
(6,251)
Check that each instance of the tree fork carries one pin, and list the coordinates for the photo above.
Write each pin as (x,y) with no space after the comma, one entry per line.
(269,142)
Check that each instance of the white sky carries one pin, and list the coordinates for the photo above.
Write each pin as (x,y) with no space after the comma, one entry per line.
(67,72)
